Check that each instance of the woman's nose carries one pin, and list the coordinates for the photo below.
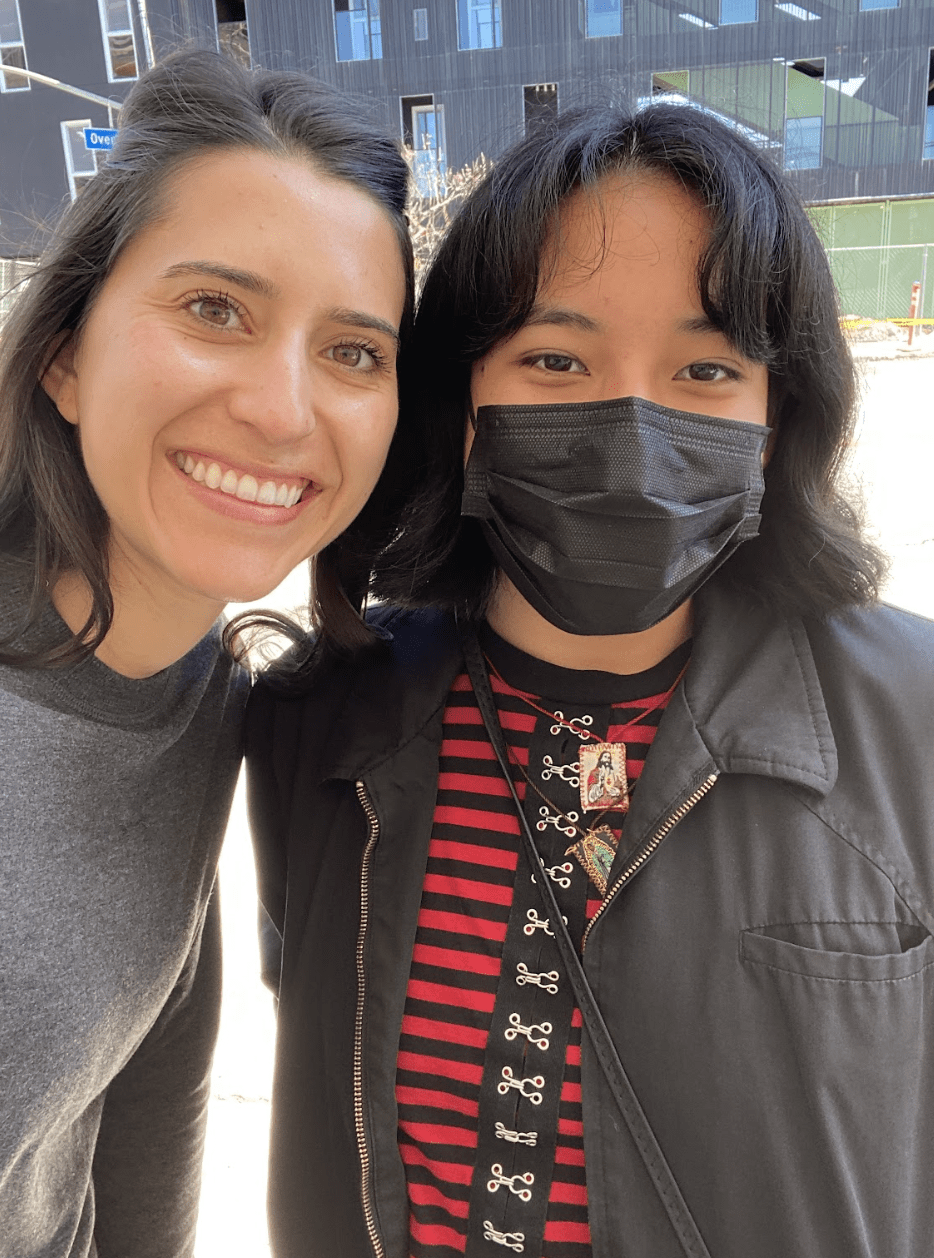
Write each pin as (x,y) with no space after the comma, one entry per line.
(276,394)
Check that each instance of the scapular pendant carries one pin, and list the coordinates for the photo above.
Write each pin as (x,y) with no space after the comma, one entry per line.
(603,784)
(595,852)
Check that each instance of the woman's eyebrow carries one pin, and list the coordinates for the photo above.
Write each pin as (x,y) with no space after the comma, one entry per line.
(560,316)
(249,280)
(255,283)
(360,319)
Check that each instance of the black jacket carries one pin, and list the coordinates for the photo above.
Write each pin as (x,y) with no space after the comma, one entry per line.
(766,975)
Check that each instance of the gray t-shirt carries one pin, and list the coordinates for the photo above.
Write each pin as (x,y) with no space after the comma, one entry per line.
(114,795)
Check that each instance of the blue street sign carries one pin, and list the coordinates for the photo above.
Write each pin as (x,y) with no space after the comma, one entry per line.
(99,138)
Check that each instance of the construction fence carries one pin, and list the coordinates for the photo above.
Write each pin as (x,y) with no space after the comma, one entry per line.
(12,273)
(882,257)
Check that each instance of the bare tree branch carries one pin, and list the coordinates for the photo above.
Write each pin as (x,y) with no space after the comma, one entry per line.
(431,215)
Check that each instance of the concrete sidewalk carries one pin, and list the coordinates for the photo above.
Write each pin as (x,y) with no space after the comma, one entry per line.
(232,1223)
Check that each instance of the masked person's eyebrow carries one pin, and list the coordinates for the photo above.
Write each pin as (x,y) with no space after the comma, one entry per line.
(249,280)
(699,323)
(559,316)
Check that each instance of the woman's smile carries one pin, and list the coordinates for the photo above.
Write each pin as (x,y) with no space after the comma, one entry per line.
(225,479)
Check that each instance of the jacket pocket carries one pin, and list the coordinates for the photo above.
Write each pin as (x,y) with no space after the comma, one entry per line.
(854,952)
(835,1069)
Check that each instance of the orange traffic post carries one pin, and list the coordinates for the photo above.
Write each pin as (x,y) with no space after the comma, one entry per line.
(913,308)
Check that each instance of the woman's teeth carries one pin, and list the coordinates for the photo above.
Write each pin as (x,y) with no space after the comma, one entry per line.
(245,487)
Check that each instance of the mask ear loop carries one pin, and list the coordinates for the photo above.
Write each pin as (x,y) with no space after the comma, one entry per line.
(471,432)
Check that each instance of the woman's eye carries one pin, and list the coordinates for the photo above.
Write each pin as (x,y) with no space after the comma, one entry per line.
(218,312)
(359,357)
(557,363)
(707,373)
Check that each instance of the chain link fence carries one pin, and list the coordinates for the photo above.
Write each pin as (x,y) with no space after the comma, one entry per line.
(882,257)
(877,281)
(13,273)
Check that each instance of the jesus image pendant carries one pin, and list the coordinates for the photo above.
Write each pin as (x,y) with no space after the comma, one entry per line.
(603,784)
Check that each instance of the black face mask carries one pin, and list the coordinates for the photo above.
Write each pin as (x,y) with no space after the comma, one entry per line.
(606,516)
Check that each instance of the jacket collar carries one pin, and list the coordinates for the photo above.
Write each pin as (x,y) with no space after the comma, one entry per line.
(397,691)
(751,693)
(754,695)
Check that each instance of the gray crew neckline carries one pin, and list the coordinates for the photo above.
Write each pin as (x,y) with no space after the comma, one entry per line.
(91,688)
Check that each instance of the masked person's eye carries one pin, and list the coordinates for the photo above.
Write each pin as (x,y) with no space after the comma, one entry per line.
(707,373)
(562,363)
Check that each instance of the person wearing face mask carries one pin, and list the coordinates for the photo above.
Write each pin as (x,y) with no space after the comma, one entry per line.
(605,877)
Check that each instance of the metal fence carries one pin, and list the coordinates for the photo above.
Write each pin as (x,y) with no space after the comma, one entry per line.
(876,281)
(881,251)
(13,271)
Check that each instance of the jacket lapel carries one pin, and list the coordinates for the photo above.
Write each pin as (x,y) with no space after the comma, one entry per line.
(751,702)
(753,694)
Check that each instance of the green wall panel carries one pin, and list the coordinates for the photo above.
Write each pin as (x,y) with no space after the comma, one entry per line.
(877,250)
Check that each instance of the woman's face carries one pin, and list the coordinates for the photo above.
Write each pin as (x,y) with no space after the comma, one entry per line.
(621,315)
(234,386)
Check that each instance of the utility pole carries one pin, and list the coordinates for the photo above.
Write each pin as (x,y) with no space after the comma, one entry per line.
(112,106)
(142,12)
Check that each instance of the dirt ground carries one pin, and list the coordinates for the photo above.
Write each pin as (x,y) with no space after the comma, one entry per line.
(892,461)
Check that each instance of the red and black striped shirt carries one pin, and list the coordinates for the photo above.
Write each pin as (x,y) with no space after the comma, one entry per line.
(488,1073)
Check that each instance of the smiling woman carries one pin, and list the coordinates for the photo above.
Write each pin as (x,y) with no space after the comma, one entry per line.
(197,393)
(267,382)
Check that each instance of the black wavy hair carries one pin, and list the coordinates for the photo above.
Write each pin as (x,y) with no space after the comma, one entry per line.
(763,280)
(192,104)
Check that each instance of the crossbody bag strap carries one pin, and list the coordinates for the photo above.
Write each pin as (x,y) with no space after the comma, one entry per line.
(642,1134)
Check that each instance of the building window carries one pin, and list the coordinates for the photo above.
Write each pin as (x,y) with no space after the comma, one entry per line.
(80,161)
(233,33)
(420,18)
(119,40)
(479,24)
(357,30)
(540,104)
(733,12)
(603,17)
(423,133)
(866,5)
(929,119)
(12,47)
(804,114)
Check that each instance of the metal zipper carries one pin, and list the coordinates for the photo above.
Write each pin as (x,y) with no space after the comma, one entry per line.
(369,1214)
(648,849)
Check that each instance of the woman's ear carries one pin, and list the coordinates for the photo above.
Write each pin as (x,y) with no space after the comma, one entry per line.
(60,378)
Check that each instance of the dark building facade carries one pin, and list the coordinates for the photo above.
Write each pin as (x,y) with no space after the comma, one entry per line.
(97,46)
(841,92)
